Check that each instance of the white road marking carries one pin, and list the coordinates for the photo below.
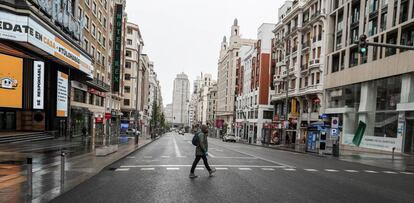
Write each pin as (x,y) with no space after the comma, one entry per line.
(368,171)
(225,157)
(173,169)
(165,156)
(289,169)
(331,170)
(407,173)
(268,169)
(210,154)
(177,150)
(199,168)
(245,169)
(122,169)
(147,169)
(221,168)
(131,157)
(351,171)
(389,172)
(310,170)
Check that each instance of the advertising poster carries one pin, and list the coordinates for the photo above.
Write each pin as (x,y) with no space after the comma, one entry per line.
(38,84)
(62,95)
(11,81)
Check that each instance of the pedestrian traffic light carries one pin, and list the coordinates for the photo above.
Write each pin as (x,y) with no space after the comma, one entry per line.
(363,46)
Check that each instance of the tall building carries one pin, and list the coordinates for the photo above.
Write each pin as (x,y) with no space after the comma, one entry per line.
(376,88)
(130,74)
(226,79)
(298,57)
(253,109)
(143,86)
(168,113)
(181,98)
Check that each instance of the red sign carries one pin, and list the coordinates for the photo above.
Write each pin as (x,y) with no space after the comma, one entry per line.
(219,123)
(98,120)
(96,92)
(108,115)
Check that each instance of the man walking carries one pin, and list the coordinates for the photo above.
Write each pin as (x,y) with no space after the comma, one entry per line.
(201,152)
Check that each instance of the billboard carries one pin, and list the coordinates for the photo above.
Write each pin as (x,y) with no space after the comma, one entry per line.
(62,95)
(11,81)
(38,84)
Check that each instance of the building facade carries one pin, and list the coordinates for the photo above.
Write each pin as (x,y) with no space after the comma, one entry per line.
(373,91)
(181,91)
(226,77)
(298,60)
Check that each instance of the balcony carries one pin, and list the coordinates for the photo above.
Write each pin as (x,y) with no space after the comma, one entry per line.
(304,67)
(305,45)
(314,63)
(99,85)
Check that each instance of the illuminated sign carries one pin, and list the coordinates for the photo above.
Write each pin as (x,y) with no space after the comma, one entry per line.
(116,67)
(11,81)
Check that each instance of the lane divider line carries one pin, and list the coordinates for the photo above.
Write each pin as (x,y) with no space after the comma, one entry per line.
(122,169)
(331,170)
(389,172)
(245,169)
(147,169)
(268,169)
(310,170)
(351,171)
(221,168)
(173,169)
(369,171)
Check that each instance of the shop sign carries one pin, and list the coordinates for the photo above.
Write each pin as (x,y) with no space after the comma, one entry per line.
(116,66)
(38,84)
(62,95)
(78,85)
(335,122)
(108,115)
(96,92)
(25,29)
(334,132)
(11,81)
(98,120)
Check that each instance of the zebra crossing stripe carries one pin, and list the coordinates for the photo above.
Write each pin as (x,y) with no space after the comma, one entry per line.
(331,170)
(389,172)
(222,169)
(407,173)
(268,169)
(351,171)
(199,168)
(122,169)
(310,169)
(289,169)
(173,169)
(147,169)
(368,171)
(245,169)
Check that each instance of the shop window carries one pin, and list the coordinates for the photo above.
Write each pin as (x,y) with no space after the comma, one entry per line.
(388,93)
(386,124)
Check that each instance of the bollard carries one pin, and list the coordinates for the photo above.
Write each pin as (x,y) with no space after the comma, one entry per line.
(62,170)
(393,150)
(29,162)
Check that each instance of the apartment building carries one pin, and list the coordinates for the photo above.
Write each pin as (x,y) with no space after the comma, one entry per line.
(253,108)
(298,61)
(130,74)
(373,91)
(212,104)
(226,78)
(181,91)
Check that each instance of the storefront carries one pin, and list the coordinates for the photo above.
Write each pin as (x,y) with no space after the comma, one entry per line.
(382,107)
(37,64)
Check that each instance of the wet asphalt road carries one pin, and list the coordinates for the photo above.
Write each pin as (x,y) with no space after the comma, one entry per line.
(245,173)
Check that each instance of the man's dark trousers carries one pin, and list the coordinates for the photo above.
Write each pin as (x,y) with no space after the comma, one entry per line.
(197,159)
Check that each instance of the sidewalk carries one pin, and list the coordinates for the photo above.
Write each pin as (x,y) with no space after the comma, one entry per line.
(400,162)
(79,167)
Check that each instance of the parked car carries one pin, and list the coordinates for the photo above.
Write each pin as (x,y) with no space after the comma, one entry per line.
(181,132)
(229,138)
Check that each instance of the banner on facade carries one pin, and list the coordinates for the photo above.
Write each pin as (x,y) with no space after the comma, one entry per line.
(11,81)
(25,29)
(38,84)
(62,95)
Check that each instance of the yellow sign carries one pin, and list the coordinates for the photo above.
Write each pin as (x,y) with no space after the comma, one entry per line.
(11,81)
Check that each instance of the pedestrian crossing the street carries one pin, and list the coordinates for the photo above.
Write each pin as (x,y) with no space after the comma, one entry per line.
(254,168)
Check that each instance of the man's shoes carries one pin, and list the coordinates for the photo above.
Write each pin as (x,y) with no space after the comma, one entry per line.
(192,175)
(212,171)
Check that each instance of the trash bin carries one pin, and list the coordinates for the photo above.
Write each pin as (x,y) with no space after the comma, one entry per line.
(335,150)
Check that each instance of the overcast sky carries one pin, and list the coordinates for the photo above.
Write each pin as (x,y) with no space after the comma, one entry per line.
(185,35)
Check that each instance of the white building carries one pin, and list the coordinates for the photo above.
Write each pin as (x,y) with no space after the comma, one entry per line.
(168,113)
(181,99)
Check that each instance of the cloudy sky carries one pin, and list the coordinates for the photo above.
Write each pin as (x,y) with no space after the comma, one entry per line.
(185,35)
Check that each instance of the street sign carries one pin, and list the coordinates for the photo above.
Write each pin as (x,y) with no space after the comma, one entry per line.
(334,132)
(335,122)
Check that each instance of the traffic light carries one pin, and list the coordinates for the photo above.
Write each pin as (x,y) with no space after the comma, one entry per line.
(363,46)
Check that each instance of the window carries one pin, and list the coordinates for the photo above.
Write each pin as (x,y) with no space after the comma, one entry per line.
(104,22)
(93,51)
(388,93)
(80,13)
(99,101)
(129,31)
(94,8)
(355,13)
(313,78)
(103,60)
(100,16)
(86,45)
(267,114)
(99,36)
(383,25)
(404,11)
(373,6)
(129,41)
(318,77)
(126,102)
(335,63)
(87,22)
(127,89)
(128,53)
(372,27)
(353,57)
(128,65)
(93,30)
(104,42)
(87,2)
(98,56)
(79,95)
(91,98)
(127,76)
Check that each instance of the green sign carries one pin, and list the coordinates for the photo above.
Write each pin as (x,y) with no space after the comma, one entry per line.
(116,66)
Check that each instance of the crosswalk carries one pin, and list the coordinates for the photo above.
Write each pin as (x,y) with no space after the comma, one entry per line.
(261,168)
